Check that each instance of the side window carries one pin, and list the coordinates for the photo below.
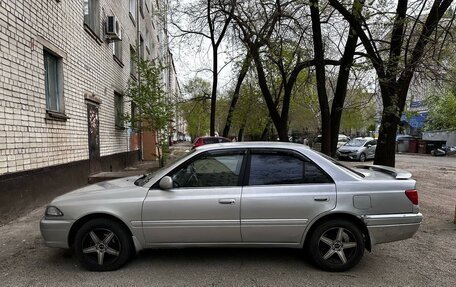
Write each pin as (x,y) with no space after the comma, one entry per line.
(282,168)
(53,82)
(210,170)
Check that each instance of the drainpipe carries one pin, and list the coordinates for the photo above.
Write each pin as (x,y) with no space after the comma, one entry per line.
(138,76)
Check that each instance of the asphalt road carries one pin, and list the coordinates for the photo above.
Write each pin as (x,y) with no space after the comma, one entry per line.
(427,259)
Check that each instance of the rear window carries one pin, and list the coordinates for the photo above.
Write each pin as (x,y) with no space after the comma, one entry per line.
(282,168)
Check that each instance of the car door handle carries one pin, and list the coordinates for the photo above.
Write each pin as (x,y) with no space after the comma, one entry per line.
(321,198)
(227,201)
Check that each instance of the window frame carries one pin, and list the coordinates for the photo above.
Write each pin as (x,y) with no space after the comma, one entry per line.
(118,123)
(117,50)
(93,24)
(60,111)
(237,151)
(131,13)
(133,65)
(283,151)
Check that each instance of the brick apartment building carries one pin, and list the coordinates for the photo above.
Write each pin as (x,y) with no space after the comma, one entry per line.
(62,84)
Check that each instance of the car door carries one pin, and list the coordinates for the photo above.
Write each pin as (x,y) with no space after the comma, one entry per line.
(284,191)
(202,207)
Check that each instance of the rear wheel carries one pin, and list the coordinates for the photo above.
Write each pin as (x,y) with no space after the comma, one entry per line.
(336,245)
(102,245)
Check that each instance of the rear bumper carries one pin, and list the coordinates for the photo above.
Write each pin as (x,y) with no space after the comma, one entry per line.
(55,232)
(392,227)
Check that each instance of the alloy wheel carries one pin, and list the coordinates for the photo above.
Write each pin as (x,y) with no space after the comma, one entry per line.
(337,245)
(101,245)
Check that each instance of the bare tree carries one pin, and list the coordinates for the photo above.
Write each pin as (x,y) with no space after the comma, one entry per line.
(395,60)
(275,35)
(242,73)
(209,19)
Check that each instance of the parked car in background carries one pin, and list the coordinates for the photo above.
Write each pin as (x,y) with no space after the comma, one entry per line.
(358,149)
(209,140)
(253,194)
(343,139)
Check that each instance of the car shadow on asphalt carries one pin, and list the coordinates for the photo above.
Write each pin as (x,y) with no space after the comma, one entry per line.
(272,256)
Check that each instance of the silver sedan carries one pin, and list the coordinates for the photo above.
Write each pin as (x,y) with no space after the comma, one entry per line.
(358,149)
(238,194)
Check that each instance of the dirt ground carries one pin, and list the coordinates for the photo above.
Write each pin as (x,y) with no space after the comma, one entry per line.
(427,259)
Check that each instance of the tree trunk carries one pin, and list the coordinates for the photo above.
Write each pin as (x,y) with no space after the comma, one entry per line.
(342,81)
(321,78)
(279,123)
(282,132)
(236,94)
(241,134)
(214,90)
(265,133)
(385,153)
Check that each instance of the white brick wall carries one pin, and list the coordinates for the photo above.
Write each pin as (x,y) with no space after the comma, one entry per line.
(27,140)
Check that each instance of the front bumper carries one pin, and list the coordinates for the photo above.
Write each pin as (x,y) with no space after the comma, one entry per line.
(55,232)
(348,156)
(392,227)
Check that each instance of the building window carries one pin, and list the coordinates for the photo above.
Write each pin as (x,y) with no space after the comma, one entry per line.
(133,10)
(53,82)
(117,48)
(118,110)
(92,15)
(132,62)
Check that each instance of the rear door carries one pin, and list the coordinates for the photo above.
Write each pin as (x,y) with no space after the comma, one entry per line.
(284,191)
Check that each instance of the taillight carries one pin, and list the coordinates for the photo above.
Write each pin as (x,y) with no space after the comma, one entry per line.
(412,195)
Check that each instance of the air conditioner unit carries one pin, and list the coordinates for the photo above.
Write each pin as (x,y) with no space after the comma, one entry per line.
(113,29)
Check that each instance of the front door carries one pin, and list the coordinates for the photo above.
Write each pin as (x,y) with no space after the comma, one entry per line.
(204,205)
(94,138)
(285,191)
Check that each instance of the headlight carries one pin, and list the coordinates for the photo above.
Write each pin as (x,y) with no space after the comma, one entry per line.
(53,211)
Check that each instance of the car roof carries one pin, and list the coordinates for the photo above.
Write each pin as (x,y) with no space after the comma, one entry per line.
(364,138)
(253,144)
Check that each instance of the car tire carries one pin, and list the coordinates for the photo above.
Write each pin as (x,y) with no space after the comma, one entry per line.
(336,245)
(102,245)
(362,157)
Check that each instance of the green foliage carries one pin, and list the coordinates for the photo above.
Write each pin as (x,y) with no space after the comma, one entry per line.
(359,112)
(196,108)
(442,111)
(154,110)
(251,112)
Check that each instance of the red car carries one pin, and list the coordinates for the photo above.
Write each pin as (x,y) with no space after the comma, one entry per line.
(209,140)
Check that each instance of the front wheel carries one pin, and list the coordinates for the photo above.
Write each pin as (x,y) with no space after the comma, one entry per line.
(336,245)
(102,245)
(362,157)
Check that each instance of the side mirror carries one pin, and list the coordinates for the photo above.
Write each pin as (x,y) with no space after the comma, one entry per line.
(166,183)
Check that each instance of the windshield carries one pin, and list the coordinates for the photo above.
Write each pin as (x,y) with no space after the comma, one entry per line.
(356,143)
(171,159)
